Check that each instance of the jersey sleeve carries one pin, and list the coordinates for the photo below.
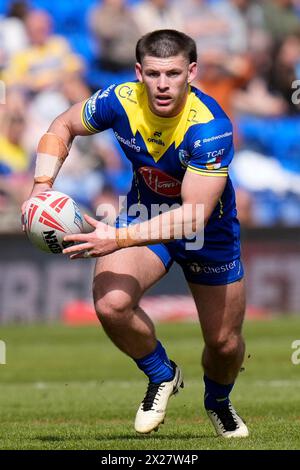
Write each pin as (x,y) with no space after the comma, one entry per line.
(211,148)
(97,112)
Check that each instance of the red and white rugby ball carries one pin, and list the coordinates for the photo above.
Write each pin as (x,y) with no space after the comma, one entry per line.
(49,216)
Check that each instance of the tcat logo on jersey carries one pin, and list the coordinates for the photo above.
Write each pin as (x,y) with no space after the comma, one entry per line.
(160,182)
(214,165)
(213,155)
(184,157)
(197,144)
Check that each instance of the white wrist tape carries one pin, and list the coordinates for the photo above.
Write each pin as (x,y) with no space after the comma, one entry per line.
(51,153)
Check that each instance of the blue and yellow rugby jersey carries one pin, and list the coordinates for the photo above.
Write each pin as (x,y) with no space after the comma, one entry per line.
(161,150)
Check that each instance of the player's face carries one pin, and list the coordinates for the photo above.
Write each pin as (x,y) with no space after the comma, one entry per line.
(166,81)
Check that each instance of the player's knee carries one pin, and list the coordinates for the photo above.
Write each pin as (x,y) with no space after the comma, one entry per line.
(226,346)
(114,307)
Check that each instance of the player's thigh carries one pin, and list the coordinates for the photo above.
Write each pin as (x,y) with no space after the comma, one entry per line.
(123,276)
(221,310)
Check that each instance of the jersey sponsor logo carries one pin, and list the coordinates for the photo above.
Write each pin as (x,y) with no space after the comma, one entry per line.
(157,134)
(198,268)
(90,108)
(193,116)
(197,144)
(156,141)
(212,156)
(215,165)
(214,161)
(184,157)
(217,137)
(105,93)
(131,143)
(160,182)
(127,92)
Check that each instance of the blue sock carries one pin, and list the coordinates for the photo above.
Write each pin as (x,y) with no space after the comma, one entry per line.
(156,365)
(216,395)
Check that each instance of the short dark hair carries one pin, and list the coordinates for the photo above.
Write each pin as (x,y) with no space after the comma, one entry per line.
(166,43)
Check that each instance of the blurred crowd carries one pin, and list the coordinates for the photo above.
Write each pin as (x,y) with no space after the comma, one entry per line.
(53,54)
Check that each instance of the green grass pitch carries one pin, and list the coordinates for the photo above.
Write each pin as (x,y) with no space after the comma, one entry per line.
(70,388)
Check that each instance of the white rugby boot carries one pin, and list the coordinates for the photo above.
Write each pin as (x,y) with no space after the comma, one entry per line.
(152,410)
(227,422)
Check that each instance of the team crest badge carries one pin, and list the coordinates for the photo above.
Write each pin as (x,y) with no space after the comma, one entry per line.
(184,157)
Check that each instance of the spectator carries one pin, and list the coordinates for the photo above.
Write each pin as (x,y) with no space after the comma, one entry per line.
(48,58)
(206,26)
(158,14)
(221,74)
(296,5)
(14,168)
(285,70)
(258,100)
(116,32)
(280,18)
(13,157)
(243,18)
(13,36)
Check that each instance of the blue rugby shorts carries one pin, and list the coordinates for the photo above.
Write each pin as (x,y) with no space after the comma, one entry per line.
(198,266)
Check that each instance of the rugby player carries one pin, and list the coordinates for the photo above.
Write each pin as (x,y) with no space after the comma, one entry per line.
(180,144)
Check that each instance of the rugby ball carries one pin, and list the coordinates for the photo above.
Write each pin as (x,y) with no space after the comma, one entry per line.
(49,216)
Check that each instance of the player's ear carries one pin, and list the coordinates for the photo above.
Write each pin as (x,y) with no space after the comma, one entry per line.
(138,72)
(192,73)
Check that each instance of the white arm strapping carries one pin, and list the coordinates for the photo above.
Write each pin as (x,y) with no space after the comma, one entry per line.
(51,153)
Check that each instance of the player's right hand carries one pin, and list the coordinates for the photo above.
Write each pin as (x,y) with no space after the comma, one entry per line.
(37,188)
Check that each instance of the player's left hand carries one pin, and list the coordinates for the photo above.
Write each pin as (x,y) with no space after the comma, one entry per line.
(100,242)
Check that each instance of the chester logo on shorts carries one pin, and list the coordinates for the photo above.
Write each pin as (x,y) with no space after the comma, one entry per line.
(198,268)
